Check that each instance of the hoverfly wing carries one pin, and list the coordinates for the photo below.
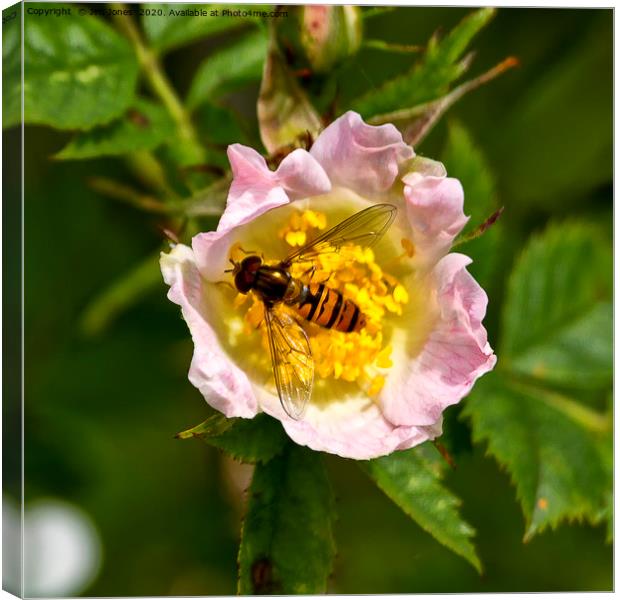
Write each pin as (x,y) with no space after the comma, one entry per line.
(291,358)
(364,228)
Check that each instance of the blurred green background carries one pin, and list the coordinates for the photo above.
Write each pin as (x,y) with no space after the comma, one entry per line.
(101,412)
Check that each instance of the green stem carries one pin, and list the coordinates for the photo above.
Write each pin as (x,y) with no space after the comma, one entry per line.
(156,78)
(128,195)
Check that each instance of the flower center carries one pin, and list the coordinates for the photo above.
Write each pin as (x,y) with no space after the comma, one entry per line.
(361,357)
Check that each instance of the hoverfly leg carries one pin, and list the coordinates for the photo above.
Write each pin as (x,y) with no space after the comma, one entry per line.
(249,252)
(311,271)
(234,266)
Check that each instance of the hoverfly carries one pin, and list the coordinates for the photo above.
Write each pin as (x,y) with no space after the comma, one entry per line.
(293,365)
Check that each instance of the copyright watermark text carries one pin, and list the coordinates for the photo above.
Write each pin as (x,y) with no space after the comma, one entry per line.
(103,10)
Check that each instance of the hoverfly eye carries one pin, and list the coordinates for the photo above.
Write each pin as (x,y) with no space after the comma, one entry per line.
(242,283)
(246,276)
(251,263)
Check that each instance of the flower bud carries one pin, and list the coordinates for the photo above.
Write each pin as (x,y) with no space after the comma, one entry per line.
(329,34)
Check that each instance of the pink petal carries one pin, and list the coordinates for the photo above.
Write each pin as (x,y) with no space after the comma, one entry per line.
(354,428)
(455,355)
(301,175)
(256,189)
(434,208)
(224,386)
(211,253)
(361,157)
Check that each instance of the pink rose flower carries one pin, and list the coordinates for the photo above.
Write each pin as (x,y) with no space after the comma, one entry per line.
(376,391)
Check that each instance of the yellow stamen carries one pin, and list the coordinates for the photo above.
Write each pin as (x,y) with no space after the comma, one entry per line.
(400,294)
(383,359)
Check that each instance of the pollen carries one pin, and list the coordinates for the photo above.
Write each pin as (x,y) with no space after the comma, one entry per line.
(362,358)
(295,238)
(377,385)
(300,223)
(408,247)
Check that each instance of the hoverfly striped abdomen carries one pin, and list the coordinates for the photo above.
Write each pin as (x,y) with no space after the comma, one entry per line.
(328,308)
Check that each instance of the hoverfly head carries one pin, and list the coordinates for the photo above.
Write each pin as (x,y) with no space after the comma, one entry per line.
(244,272)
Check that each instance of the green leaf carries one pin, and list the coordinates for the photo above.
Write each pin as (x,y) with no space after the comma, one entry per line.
(248,440)
(144,127)
(606,450)
(79,72)
(214,426)
(418,121)
(558,315)
(556,343)
(550,445)
(464,160)
(228,68)
(412,479)
(11,66)
(169,26)
(430,78)
(287,544)
(284,111)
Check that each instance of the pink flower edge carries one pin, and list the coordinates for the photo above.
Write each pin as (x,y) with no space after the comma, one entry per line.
(367,160)
(455,354)
(358,431)
(223,384)
(434,206)
(364,158)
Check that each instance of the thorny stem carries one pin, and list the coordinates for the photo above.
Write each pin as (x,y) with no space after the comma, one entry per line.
(481,229)
(448,100)
(392,47)
(128,195)
(156,78)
